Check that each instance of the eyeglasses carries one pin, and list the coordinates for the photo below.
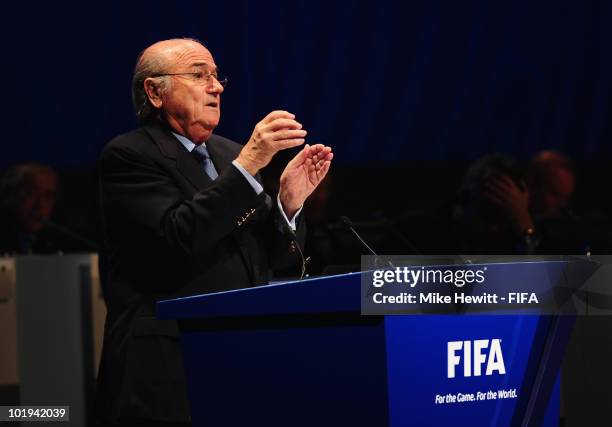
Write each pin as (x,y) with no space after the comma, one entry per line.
(200,77)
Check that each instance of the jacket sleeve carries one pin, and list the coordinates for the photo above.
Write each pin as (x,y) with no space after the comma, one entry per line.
(283,242)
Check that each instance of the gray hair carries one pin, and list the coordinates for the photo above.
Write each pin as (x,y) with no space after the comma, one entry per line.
(145,68)
(149,66)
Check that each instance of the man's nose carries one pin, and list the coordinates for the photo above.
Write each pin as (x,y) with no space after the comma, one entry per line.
(216,87)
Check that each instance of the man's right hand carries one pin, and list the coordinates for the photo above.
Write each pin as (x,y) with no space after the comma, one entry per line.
(277,131)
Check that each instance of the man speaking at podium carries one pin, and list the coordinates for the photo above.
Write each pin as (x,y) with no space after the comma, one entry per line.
(185,214)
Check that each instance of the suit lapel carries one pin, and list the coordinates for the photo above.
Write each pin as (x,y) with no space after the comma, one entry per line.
(190,168)
(173,149)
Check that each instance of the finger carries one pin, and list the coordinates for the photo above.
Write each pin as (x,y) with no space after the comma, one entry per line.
(495,187)
(323,164)
(288,134)
(324,169)
(502,186)
(289,143)
(318,174)
(278,114)
(496,191)
(277,124)
(498,197)
(326,154)
(320,148)
(324,161)
(321,157)
(497,180)
(310,166)
(312,172)
(508,182)
(493,198)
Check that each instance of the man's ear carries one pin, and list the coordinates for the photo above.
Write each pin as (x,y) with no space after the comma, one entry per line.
(153,91)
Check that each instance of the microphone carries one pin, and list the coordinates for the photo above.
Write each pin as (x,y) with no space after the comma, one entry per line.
(66,232)
(349,225)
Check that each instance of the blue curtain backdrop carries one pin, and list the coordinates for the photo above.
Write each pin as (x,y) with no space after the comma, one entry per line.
(382,82)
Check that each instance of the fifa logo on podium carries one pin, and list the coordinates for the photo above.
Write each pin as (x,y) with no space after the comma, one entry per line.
(473,355)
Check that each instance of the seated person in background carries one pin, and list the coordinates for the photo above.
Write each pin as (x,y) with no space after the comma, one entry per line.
(539,207)
(551,183)
(27,198)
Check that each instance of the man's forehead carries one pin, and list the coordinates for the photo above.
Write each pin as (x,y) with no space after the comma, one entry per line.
(194,55)
(183,52)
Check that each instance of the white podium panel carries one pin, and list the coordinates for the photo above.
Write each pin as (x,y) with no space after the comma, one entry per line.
(52,320)
(8,324)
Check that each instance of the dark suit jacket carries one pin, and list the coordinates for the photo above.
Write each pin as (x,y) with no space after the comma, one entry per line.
(172,232)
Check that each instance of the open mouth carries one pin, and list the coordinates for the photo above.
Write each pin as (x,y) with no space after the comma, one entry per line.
(213,104)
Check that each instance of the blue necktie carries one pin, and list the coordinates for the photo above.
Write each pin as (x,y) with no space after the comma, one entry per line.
(201,154)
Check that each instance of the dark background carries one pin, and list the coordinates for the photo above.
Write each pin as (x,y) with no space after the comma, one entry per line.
(406,93)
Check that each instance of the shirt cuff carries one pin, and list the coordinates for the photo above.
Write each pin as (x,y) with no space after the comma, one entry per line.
(291,222)
(256,185)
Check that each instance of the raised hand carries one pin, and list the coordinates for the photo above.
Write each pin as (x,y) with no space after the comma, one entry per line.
(504,192)
(302,175)
(277,131)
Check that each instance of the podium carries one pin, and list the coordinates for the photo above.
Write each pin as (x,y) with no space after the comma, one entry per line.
(51,318)
(301,354)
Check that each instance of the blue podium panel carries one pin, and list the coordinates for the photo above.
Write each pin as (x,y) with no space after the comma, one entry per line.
(300,354)
(288,372)
(418,369)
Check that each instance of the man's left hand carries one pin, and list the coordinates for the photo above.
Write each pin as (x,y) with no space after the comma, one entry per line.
(302,175)
(513,198)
